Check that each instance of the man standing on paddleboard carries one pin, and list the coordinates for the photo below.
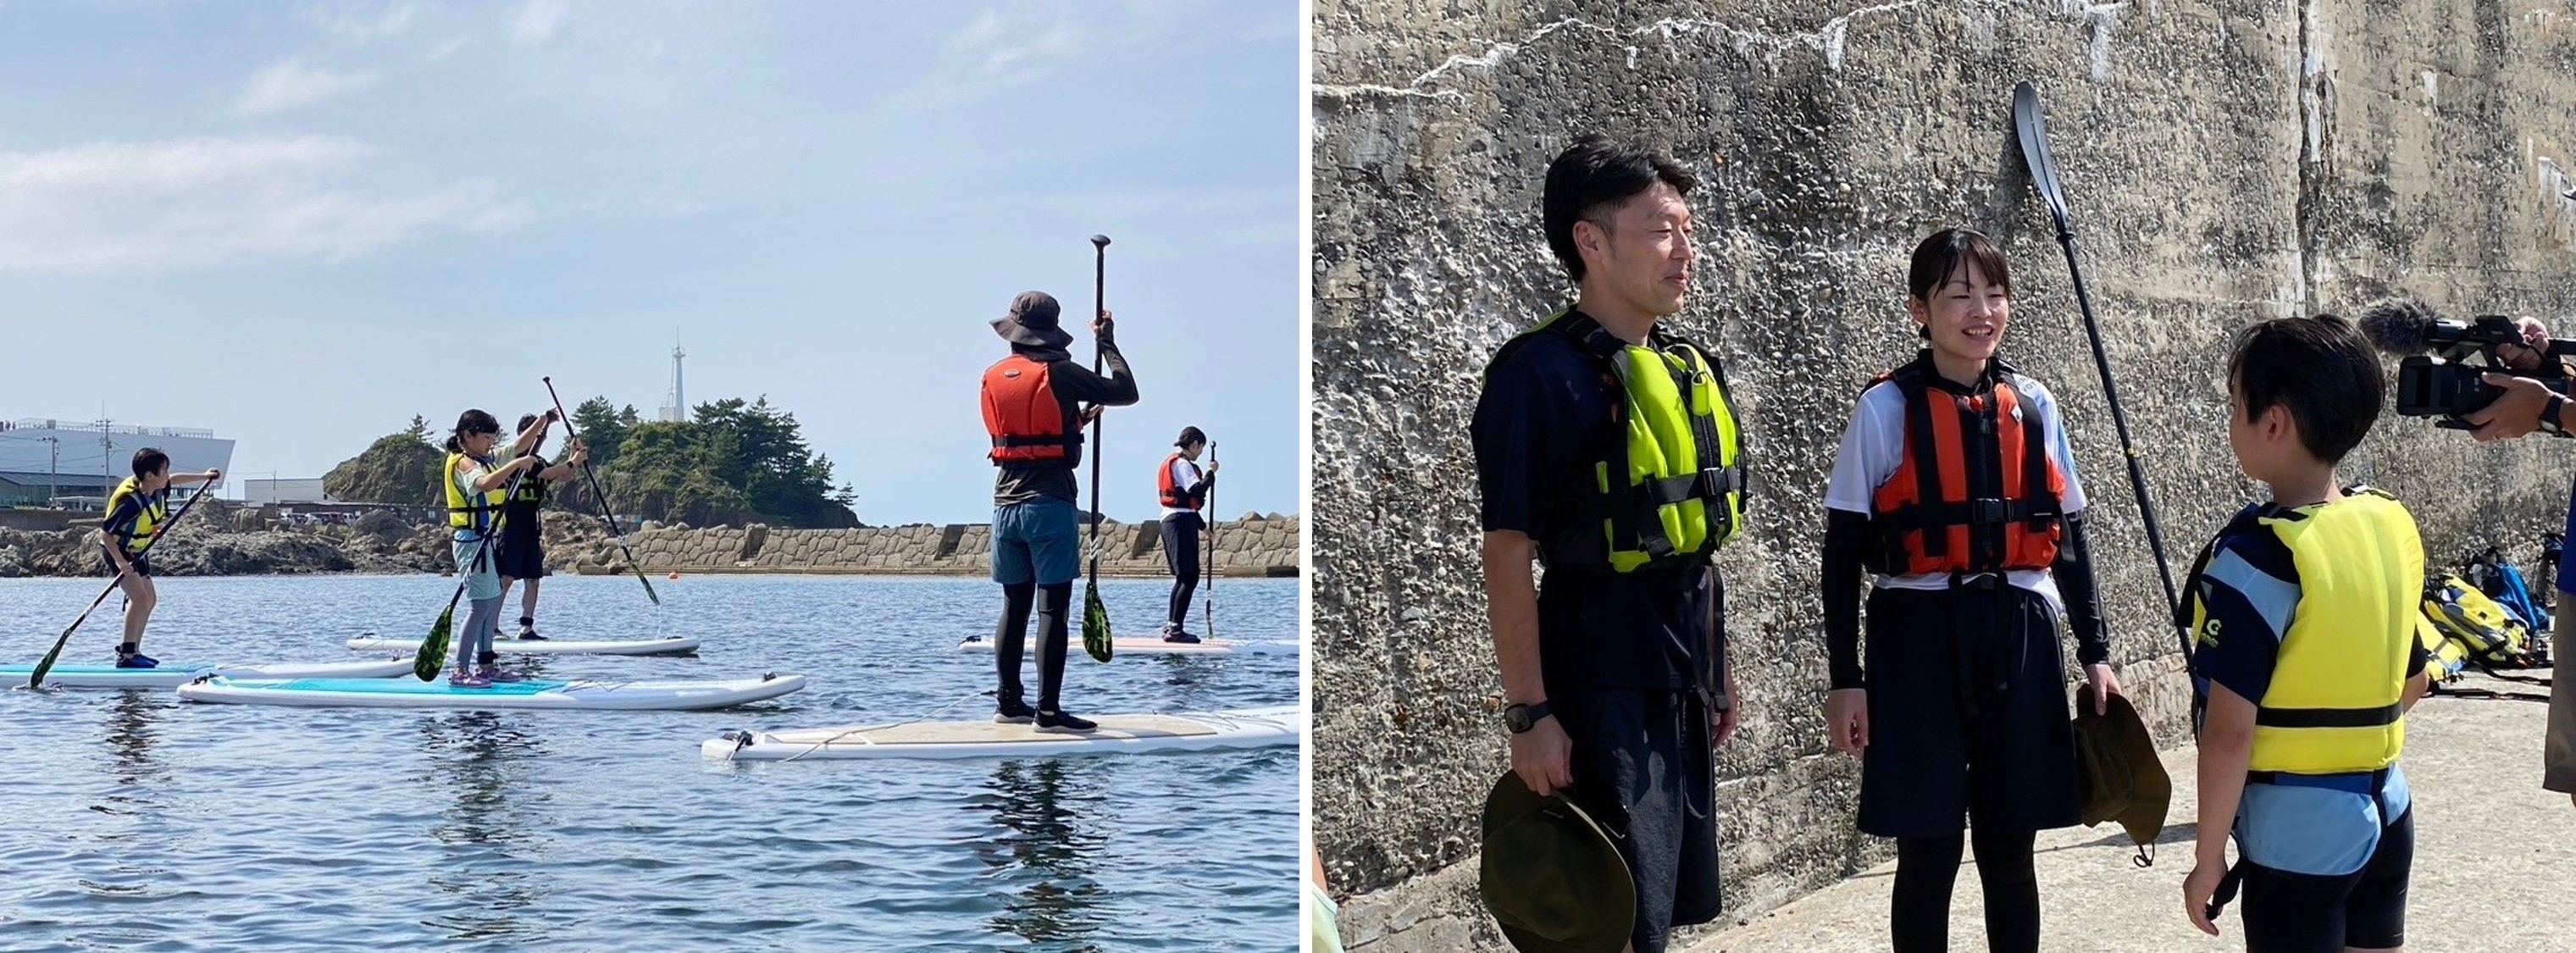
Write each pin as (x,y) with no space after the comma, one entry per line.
(522,553)
(1032,409)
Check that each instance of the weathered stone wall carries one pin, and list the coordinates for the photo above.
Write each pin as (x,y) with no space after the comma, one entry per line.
(1255,545)
(2227,162)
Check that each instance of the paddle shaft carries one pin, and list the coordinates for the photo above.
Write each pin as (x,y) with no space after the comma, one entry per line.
(1099,305)
(2029,126)
(1209,613)
(574,433)
(37,677)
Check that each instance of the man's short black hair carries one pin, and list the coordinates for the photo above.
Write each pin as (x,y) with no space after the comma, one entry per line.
(2322,369)
(1594,174)
(149,461)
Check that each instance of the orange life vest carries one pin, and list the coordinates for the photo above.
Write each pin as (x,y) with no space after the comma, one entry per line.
(1977,490)
(1171,492)
(1023,417)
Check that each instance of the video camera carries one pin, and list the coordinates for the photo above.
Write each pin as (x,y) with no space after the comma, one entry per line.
(2447,382)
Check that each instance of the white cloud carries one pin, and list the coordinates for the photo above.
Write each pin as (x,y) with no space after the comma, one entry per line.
(289,84)
(538,21)
(353,25)
(196,203)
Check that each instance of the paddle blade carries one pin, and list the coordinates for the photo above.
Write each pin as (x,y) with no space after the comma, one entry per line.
(36,679)
(2030,126)
(1095,623)
(433,650)
(648,586)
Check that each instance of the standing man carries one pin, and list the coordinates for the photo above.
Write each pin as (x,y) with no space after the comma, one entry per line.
(1032,409)
(522,553)
(1606,449)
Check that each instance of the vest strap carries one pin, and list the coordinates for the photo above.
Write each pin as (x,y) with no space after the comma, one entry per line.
(2328,717)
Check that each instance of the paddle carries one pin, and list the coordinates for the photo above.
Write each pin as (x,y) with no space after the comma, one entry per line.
(1208,615)
(613,532)
(1096,639)
(2028,127)
(433,650)
(37,677)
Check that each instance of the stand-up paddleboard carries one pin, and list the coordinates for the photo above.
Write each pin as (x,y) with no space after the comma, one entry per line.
(1156,646)
(1253,728)
(534,693)
(668,645)
(179,673)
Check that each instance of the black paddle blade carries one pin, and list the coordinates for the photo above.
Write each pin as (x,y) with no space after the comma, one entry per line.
(36,679)
(2030,126)
(1095,623)
(648,586)
(433,650)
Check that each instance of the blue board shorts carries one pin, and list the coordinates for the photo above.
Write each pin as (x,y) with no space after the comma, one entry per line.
(483,582)
(1038,541)
(2327,862)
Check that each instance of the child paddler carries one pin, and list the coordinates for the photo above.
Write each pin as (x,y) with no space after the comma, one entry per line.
(477,482)
(136,512)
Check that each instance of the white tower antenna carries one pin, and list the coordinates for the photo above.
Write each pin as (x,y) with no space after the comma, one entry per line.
(677,409)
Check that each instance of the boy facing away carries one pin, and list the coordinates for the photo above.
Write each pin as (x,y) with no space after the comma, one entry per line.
(2303,610)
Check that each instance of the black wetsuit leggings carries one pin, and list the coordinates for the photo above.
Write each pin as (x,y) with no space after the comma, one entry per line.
(1926,867)
(1010,639)
(1181,551)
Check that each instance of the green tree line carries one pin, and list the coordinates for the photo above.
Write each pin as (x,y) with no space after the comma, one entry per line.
(734,462)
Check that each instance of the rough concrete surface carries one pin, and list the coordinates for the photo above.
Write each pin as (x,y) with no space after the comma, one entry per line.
(2226,162)
(2494,860)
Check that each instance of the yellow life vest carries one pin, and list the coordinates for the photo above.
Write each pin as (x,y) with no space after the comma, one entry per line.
(2335,701)
(1676,491)
(151,510)
(468,509)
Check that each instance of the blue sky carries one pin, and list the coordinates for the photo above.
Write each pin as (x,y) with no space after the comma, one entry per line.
(301,224)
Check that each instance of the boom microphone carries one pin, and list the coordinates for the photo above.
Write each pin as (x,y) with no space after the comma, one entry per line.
(2405,325)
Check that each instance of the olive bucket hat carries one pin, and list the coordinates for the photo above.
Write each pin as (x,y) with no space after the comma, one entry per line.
(2122,779)
(1551,875)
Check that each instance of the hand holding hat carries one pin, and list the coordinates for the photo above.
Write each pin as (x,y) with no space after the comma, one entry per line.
(1551,875)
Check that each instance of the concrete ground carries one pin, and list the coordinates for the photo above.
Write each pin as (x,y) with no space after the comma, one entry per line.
(2495,861)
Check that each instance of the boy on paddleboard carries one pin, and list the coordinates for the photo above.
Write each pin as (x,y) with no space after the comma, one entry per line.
(136,512)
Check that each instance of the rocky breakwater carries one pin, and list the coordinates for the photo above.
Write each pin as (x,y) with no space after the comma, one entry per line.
(235,543)
(1255,545)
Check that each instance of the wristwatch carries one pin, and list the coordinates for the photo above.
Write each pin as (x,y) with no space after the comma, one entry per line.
(1520,718)
(2549,415)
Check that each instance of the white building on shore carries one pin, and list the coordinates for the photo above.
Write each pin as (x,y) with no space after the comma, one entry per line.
(43,459)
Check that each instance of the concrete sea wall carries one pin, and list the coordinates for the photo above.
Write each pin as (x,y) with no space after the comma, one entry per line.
(2227,162)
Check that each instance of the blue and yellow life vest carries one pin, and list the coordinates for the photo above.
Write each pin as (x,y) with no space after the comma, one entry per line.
(2335,704)
(1674,492)
(469,509)
(151,510)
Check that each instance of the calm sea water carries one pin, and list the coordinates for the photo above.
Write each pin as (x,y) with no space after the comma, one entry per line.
(130,820)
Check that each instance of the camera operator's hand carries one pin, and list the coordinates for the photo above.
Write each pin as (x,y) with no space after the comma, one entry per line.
(2526,357)
(2514,413)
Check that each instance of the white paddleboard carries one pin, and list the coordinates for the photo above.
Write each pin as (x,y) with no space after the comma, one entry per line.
(1154,646)
(670,645)
(180,673)
(1252,728)
(534,693)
